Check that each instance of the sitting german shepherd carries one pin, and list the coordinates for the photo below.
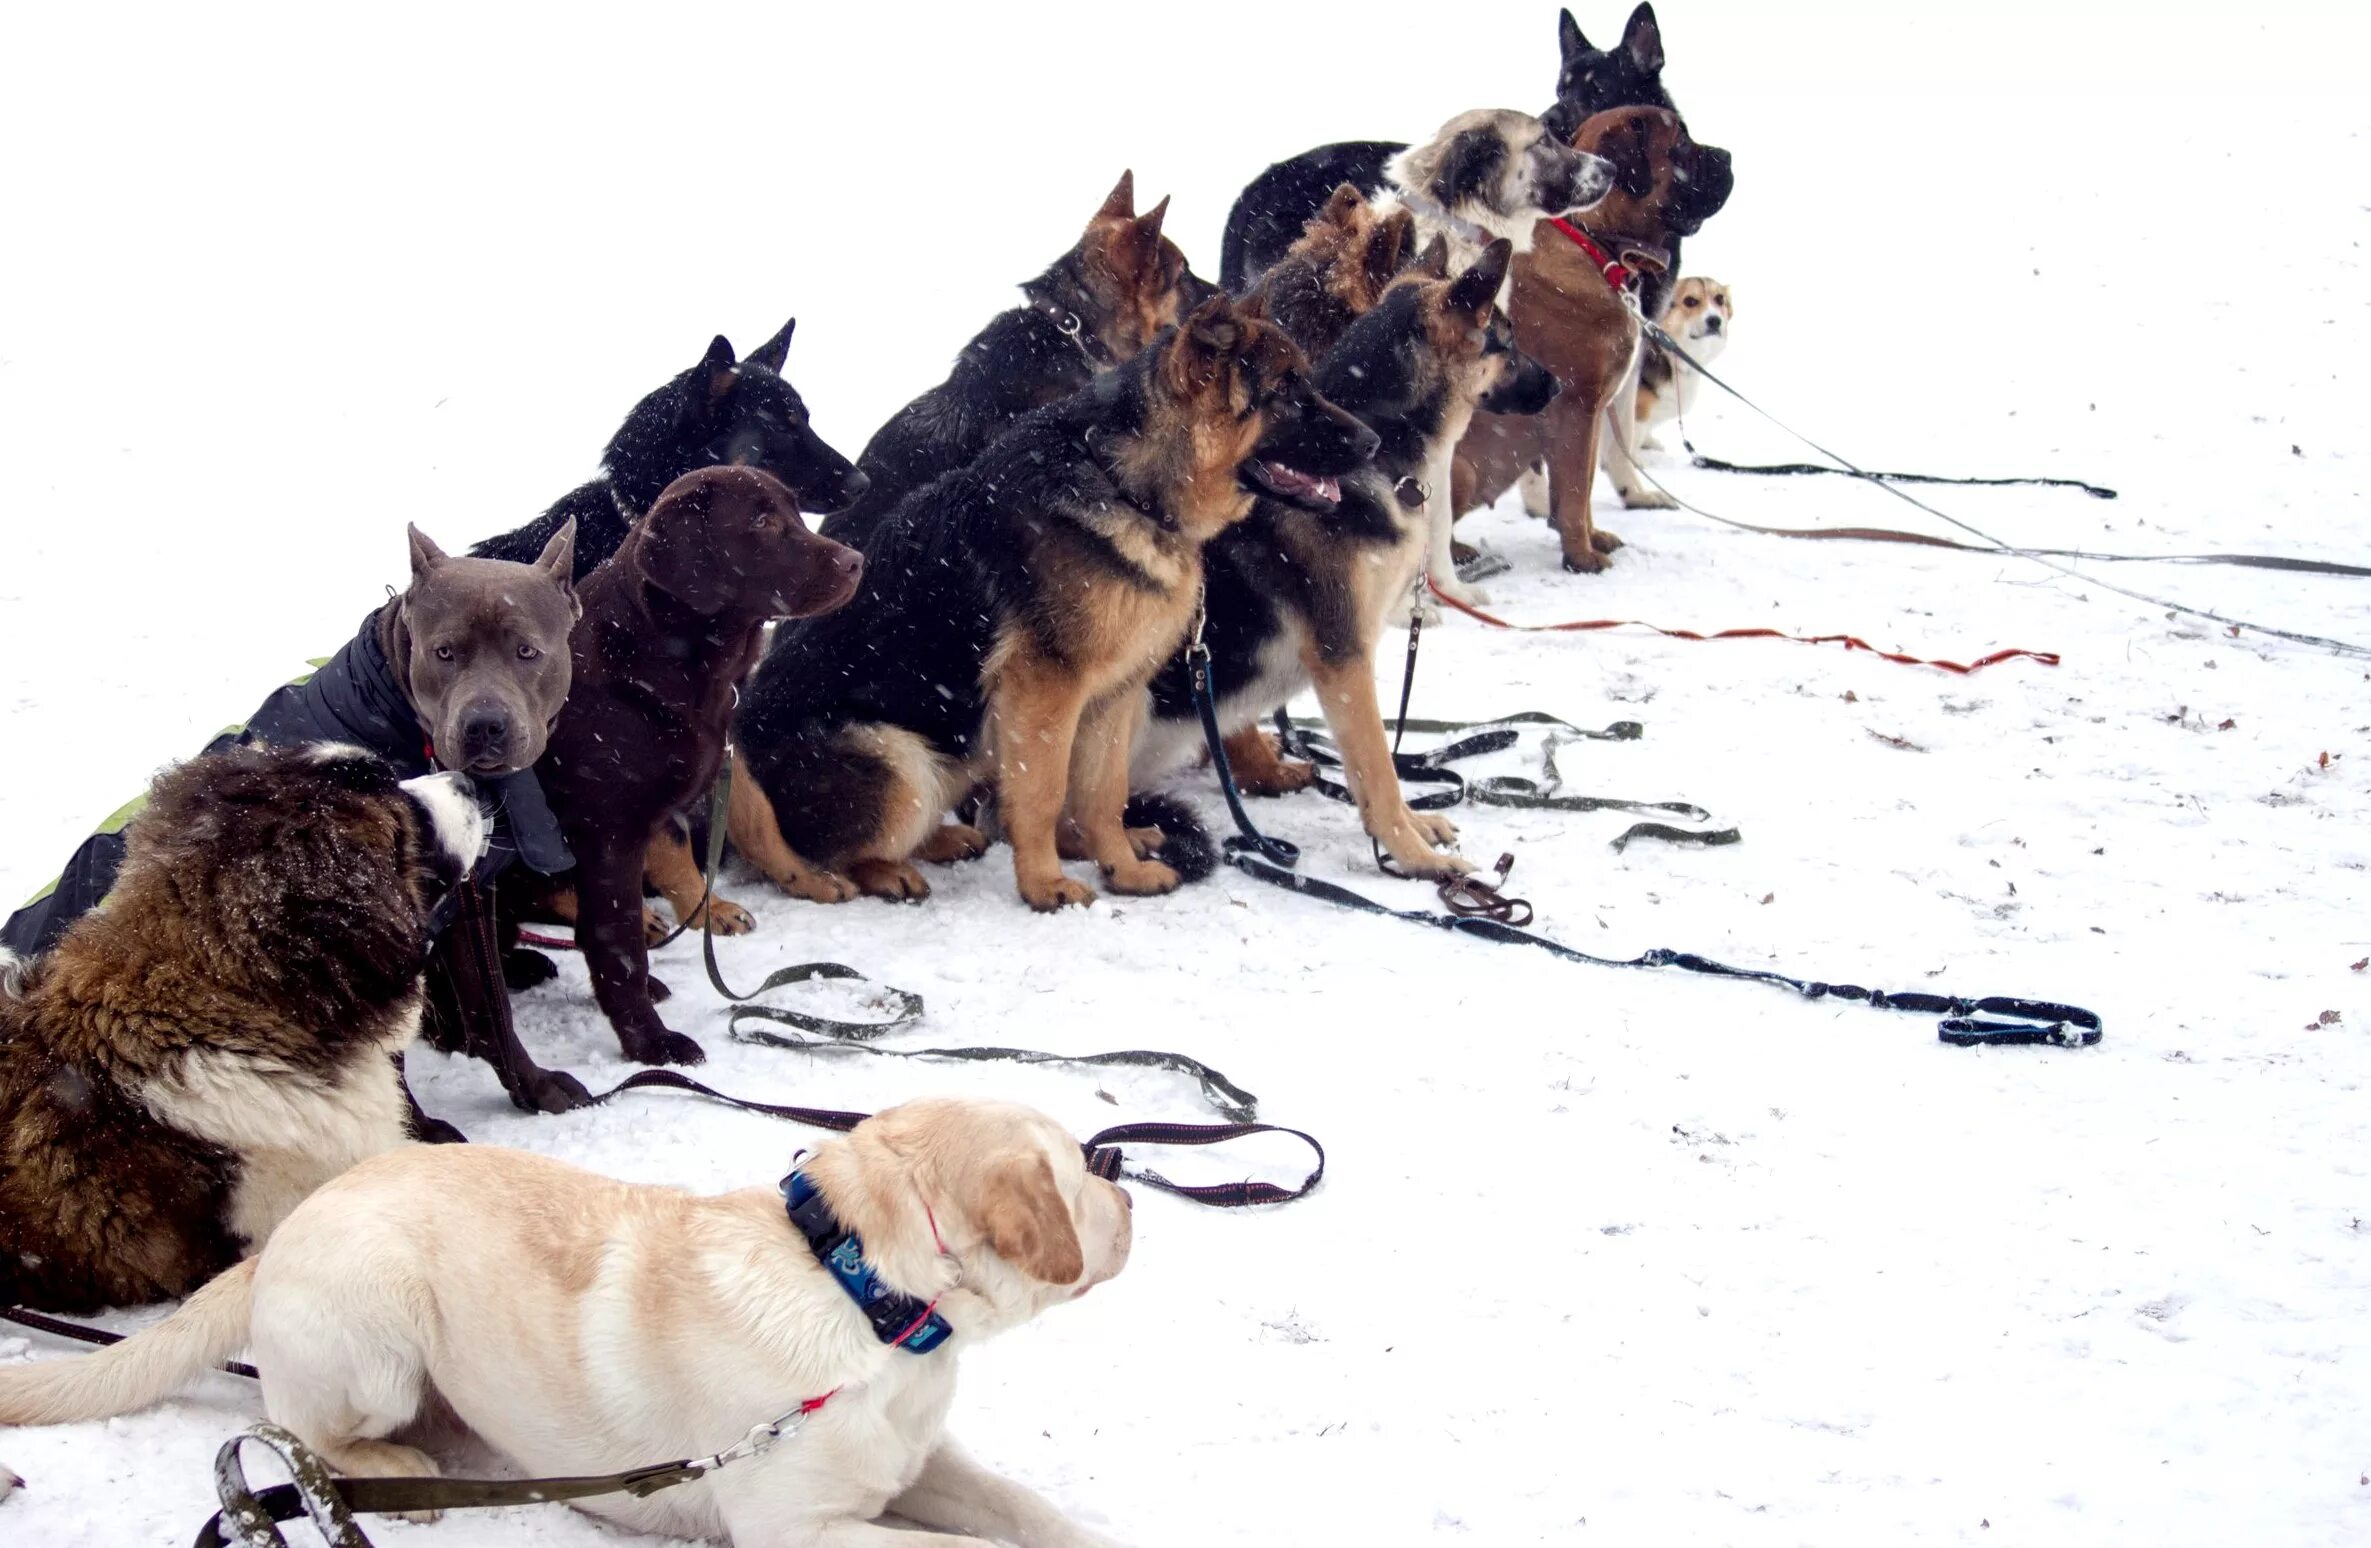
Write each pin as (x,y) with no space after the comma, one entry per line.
(1093,307)
(1013,612)
(1297,598)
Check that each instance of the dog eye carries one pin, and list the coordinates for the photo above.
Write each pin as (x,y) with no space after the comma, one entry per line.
(444,652)
(530,653)
(1693,301)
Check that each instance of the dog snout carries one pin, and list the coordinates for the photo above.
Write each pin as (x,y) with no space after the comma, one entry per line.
(485,736)
(1712,324)
(853,487)
(1588,181)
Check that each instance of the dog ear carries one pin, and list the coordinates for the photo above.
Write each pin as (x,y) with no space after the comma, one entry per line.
(558,559)
(678,552)
(1434,260)
(774,351)
(1134,248)
(1203,342)
(712,378)
(1120,203)
(1387,246)
(426,555)
(1215,326)
(1477,288)
(1644,40)
(1027,1222)
(1634,162)
(1469,168)
(1340,205)
(1568,37)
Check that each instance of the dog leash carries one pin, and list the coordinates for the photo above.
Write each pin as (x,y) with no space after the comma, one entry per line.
(249,1518)
(25,1317)
(1797,469)
(1848,641)
(1967,1022)
(1995,545)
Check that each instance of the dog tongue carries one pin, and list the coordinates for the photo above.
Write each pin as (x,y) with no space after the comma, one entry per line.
(1293,481)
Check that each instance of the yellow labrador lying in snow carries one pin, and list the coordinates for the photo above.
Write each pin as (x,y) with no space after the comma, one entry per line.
(581,1325)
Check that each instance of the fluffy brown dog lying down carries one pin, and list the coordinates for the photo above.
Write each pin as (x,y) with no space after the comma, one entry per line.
(580,1325)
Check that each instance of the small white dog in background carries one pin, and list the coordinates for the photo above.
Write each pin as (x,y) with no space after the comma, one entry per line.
(1700,315)
(580,1325)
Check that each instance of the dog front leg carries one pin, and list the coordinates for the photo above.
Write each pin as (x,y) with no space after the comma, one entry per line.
(1346,692)
(670,866)
(1099,796)
(1037,707)
(1573,428)
(609,905)
(757,834)
(1440,515)
(956,1494)
(1620,449)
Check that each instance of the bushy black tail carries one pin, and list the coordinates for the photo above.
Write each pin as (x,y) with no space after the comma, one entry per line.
(1185,844)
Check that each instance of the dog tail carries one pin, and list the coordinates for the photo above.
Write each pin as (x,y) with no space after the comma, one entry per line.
(146,1368)
(1185,844)
(13,969)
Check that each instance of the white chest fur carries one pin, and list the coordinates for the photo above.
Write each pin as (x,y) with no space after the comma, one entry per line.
(290,1131)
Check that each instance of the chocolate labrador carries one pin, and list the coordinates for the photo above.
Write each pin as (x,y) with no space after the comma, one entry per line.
(672,623)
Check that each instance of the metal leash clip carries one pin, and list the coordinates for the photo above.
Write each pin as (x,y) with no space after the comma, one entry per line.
(760,1439)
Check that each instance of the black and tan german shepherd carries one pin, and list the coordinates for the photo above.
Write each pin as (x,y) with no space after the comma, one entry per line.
(1335,272)
(1012,614)
(1092,308)
(1298,597)
(720,411)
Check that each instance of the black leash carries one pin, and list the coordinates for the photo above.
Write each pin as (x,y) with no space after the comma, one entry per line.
(1796,469)
(1993,1019)
(2037,556)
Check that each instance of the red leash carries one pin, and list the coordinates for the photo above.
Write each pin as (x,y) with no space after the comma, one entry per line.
(1848,641)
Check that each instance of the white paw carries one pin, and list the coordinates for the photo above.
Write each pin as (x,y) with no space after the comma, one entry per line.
(1648,500)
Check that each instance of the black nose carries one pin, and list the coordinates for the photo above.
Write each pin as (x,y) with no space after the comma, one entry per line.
(852,487)
(1712,324)
(485,733)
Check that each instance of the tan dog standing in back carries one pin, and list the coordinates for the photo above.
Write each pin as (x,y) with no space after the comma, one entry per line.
(1570,318)
(581,1325)
(1699,317)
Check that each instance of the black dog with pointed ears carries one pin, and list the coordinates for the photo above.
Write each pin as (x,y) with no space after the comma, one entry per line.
(721,411)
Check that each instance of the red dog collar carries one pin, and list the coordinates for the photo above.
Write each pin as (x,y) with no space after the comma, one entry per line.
(1617,273)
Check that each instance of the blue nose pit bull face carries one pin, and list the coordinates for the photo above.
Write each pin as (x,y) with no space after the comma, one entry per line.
(482,653)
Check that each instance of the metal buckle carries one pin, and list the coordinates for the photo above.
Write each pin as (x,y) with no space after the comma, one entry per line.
(760,1439)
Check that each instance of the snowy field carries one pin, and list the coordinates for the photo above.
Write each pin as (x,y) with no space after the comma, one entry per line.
(1601,1257)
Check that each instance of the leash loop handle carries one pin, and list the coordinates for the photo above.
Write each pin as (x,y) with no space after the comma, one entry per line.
(314,1493)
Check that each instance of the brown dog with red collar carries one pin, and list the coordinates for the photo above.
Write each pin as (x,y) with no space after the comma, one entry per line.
(1572,314)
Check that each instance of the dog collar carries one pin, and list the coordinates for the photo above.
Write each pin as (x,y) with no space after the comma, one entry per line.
(1617,274)
(1440,214)
(899,1320)
(1074,328)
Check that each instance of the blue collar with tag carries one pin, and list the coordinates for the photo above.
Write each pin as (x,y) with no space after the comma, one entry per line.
(897,1319)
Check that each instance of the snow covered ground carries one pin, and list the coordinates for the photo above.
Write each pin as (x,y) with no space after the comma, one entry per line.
(1602,1256)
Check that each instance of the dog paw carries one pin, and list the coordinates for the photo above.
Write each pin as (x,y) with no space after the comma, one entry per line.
(654,926)
(1431,864)
(1603,541)
(1056,892)
(1587,562)
(551,1091)
(661,1047)
(1141,878)
(817,886)
(1648,500)
(434,1131)
(896,880)
(523,969)
(1433,827)
(722,916)
(953,841)
(1458,591)
(1426,609)
(9,1483)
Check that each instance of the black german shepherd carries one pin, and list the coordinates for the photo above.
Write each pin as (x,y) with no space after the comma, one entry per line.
(1012,613)
(719,411)
(1272,212)
(1297,597)
(1092,308)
